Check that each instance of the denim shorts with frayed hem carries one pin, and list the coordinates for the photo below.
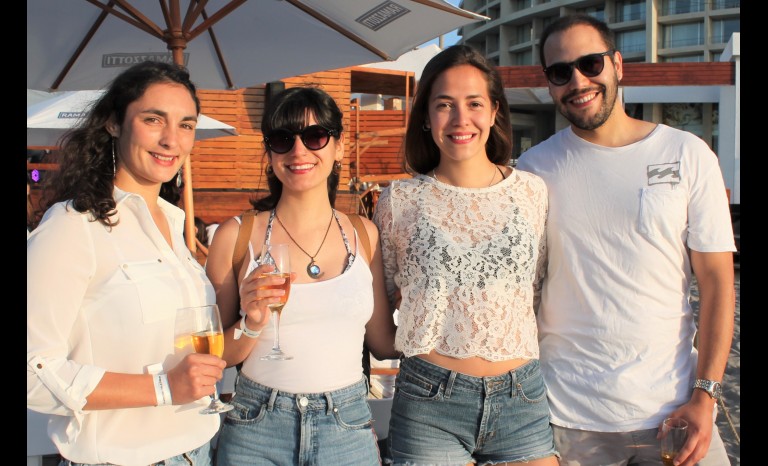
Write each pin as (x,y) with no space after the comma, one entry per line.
(271,427)
(442,417)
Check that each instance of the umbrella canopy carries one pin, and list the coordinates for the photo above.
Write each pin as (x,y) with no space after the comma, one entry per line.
(50,115)
(415,61)
(225,44)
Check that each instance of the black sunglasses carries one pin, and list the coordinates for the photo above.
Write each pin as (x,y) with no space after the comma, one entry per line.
(589,65)
(314,137)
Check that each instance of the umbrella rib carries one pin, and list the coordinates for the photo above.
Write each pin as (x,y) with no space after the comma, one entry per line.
(194,8)
(214,18)
(138,20)
(219,53)
(338,28)
(88,36)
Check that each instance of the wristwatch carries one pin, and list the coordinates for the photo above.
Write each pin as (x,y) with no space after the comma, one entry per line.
(710,386)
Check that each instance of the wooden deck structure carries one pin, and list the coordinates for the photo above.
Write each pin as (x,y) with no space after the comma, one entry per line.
(228,171)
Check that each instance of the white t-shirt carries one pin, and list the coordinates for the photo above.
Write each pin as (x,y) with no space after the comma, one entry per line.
(615,324)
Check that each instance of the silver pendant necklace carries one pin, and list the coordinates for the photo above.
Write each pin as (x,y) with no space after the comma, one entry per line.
(313,270)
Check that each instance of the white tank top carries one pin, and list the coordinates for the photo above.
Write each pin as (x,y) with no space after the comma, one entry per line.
(322,327)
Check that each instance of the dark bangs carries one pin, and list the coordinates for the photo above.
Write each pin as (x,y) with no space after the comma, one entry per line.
(292,108)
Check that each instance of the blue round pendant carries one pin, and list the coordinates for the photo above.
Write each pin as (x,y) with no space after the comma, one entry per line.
(313,270)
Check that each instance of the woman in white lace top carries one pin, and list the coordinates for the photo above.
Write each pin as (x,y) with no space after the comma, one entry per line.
(463,244)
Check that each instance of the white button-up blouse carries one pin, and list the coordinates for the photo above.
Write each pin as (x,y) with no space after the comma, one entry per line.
(104,300)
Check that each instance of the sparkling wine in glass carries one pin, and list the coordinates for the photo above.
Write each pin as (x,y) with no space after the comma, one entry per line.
(277,254)
(202,325)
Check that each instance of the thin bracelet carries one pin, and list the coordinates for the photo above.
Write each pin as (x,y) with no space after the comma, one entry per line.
(162,390)
(245,330)
(166,388)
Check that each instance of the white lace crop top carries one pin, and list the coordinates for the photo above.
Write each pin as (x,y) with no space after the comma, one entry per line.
(468,263)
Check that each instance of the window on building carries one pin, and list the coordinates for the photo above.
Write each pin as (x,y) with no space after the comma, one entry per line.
(682,35)
(697,57)
(494,12)
(523,58)
(678,7)
(492,43)
(723,4)
(522,34)
(522,4)
(631,41)
(723,29)
(631,10)
(597,12)
(547,21)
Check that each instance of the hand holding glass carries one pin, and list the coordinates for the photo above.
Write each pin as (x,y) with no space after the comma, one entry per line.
(202,324)
(277,254)
(674,431)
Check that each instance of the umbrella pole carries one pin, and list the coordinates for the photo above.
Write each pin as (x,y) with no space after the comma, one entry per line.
(176,45)
(189,208)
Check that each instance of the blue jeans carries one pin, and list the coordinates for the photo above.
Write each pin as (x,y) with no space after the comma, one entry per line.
(448,418)
(202,456)
(271,427)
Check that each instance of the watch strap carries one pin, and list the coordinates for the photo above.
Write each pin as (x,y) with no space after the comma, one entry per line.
(712,387)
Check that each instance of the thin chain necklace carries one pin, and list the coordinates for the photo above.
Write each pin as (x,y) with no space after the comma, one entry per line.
(434,175)
(313,270)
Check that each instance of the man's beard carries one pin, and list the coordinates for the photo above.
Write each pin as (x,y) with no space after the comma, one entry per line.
(597,120)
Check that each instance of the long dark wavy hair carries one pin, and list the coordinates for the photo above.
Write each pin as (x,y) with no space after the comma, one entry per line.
(421,152)
(86,168)
(289,110)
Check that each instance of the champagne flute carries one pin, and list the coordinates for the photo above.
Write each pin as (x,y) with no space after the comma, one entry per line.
(201,326)
(673,431)
(277,254)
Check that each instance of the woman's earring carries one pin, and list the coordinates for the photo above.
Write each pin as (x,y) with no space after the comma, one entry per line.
(425,127)
(114,161)
(269,170)
(337,166)
(179,178)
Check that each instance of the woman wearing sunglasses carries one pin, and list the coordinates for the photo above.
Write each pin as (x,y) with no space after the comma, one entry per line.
(463,242)
(313,408)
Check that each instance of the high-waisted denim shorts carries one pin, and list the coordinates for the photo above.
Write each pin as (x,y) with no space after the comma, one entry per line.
(442,417)
(270,427)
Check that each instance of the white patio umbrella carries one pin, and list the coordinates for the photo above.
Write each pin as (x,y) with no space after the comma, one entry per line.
(225,44)
(51,114)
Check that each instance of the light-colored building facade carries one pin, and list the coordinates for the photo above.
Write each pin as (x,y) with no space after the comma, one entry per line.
(647,31)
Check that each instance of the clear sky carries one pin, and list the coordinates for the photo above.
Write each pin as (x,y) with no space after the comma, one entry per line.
(450,38)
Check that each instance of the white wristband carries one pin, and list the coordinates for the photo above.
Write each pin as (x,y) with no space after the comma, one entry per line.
(162,389)
(245,330)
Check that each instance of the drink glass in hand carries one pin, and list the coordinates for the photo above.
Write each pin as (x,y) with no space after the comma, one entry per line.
(674,431)
(277,254)
(202,325)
